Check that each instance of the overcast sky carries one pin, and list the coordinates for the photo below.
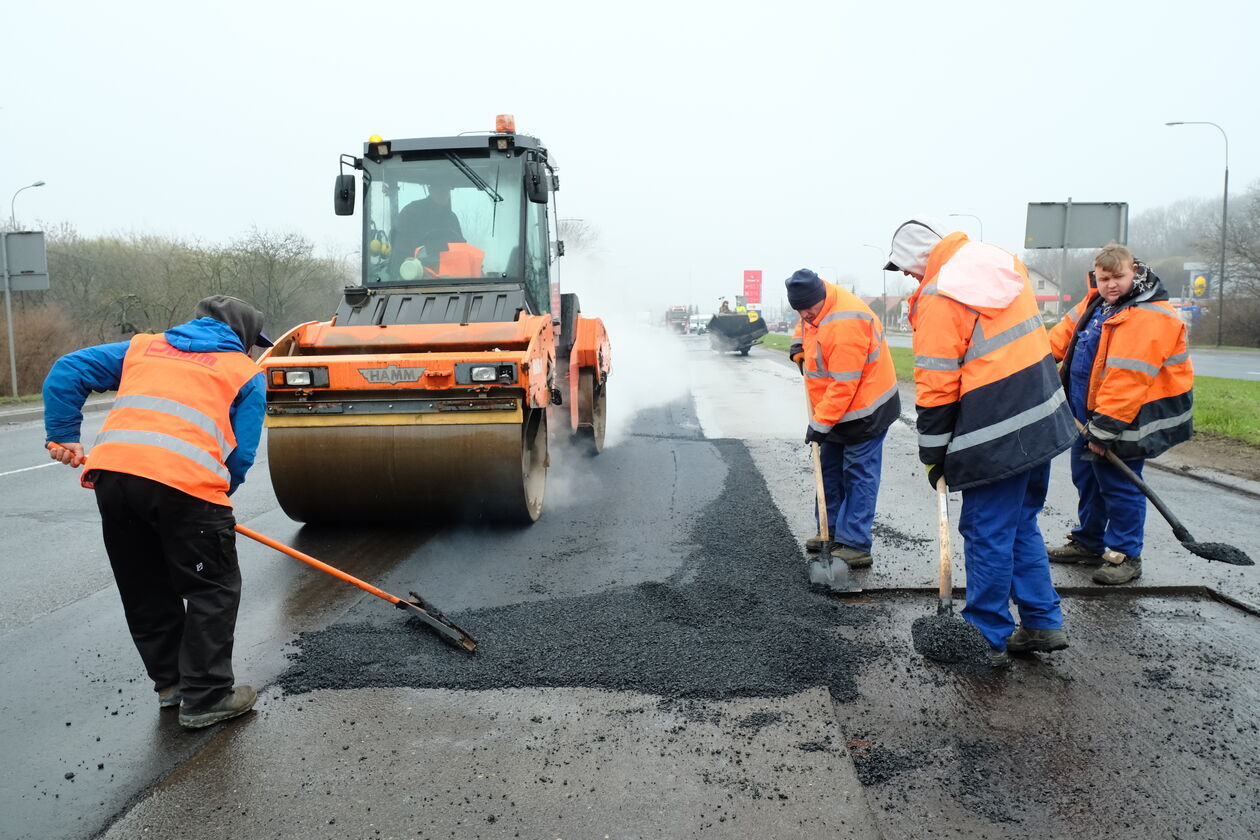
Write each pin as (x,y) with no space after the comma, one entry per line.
(700,139)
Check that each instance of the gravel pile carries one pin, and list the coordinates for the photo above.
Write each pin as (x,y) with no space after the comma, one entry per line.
(736,620)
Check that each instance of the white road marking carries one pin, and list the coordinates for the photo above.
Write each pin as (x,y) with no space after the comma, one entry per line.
(28,469)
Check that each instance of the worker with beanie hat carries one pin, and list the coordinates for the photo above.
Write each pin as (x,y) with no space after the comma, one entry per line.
(991,416)
(179,440)
(852,389)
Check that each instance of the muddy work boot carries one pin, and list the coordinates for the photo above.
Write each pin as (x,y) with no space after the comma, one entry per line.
(237,702)
(1117,569)
(999,659)
(855,558)
(1025,640)
(814,545)
(1073,552)
(169,697)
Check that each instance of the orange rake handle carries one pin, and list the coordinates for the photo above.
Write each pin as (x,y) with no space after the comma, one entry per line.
(318,564)
(417,606)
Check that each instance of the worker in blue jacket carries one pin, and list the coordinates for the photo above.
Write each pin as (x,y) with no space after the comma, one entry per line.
(182,434)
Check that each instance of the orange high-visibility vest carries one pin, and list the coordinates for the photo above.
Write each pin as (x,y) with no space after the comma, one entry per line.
(170,421)
(988,396)
(849,372)
(459,260)
(1140,386)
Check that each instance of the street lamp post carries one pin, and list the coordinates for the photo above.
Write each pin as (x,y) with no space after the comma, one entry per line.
(1220,282)
(8,291)
(978,221)
(12,216)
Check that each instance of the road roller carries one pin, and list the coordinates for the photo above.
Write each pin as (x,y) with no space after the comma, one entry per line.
(437,387)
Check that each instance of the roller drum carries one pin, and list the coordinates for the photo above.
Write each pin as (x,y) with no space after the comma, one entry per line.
(411,473)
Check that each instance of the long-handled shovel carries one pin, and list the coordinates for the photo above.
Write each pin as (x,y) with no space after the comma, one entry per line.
(1220,552)
(827,573)
(416,605)
(946,637)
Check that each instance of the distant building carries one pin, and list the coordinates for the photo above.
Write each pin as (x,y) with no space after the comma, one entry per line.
(893,309)
(1047,291)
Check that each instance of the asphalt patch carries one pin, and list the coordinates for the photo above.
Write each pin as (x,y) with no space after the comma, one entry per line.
(948,638)
(735,620)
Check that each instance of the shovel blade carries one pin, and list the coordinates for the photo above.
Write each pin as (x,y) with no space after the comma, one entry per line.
(1220,552)
(829,575)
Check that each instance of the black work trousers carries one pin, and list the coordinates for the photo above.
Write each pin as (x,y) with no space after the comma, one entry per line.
(169,549)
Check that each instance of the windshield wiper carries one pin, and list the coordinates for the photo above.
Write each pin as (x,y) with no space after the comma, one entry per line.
(471,175)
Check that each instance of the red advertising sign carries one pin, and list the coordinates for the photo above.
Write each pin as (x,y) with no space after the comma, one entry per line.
(752,286)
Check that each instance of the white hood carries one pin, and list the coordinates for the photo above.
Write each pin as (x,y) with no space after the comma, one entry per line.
(913,242)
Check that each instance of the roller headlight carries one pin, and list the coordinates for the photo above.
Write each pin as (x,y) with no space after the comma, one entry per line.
(484,373)
(297,377)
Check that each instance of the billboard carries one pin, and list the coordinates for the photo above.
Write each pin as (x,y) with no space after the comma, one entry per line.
(752,285)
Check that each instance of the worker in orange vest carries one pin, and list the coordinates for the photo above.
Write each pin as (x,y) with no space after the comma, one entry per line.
(1129,381)
(991,416)
(853,398)
(178,441)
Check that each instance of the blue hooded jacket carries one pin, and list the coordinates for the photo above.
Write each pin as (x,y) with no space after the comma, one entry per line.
(99,368)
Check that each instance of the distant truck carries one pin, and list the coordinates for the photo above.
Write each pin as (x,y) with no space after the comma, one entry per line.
(677,318)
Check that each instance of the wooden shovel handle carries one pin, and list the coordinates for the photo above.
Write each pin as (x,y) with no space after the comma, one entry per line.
(942,523)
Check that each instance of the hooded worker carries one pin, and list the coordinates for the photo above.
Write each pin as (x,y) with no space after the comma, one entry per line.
(852,389)
(179,440)
(991,416)
(1129,380)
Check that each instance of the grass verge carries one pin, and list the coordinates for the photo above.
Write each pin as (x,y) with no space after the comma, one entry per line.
(776,341)
(1228,407)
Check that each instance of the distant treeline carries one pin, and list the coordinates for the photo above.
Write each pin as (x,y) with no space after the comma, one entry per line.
(109,288)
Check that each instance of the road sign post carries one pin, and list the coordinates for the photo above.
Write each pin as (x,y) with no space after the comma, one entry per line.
(24,263)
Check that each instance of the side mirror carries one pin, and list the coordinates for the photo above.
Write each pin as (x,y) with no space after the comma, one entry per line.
(343,195)
(536,182)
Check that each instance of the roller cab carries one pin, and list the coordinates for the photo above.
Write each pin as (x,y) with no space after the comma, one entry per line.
(434,390)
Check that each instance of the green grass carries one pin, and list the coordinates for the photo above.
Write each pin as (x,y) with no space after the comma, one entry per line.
(776,341)
(23,400)
(1226,407)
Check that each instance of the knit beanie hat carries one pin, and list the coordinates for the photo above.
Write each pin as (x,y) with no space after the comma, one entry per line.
(804,289)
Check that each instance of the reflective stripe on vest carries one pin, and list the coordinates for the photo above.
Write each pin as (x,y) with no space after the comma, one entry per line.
(859,413)
(981,346)
(1138,365)
(1147,429)
(171,444)
(1010,424)
(183,412)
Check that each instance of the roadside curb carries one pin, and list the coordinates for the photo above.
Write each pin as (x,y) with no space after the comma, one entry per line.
(36,410)
(1169,463)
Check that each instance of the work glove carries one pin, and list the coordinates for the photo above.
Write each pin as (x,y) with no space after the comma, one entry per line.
(935,472)
(812,435)
(1088,433)
(797,354)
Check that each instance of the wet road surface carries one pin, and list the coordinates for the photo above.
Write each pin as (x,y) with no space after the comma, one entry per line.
(651,665)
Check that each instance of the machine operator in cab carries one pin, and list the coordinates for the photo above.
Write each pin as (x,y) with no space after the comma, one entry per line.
(428,240)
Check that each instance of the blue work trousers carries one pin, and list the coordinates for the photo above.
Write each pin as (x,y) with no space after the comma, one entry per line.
(851,481)
(1111,510)
(1006,556)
